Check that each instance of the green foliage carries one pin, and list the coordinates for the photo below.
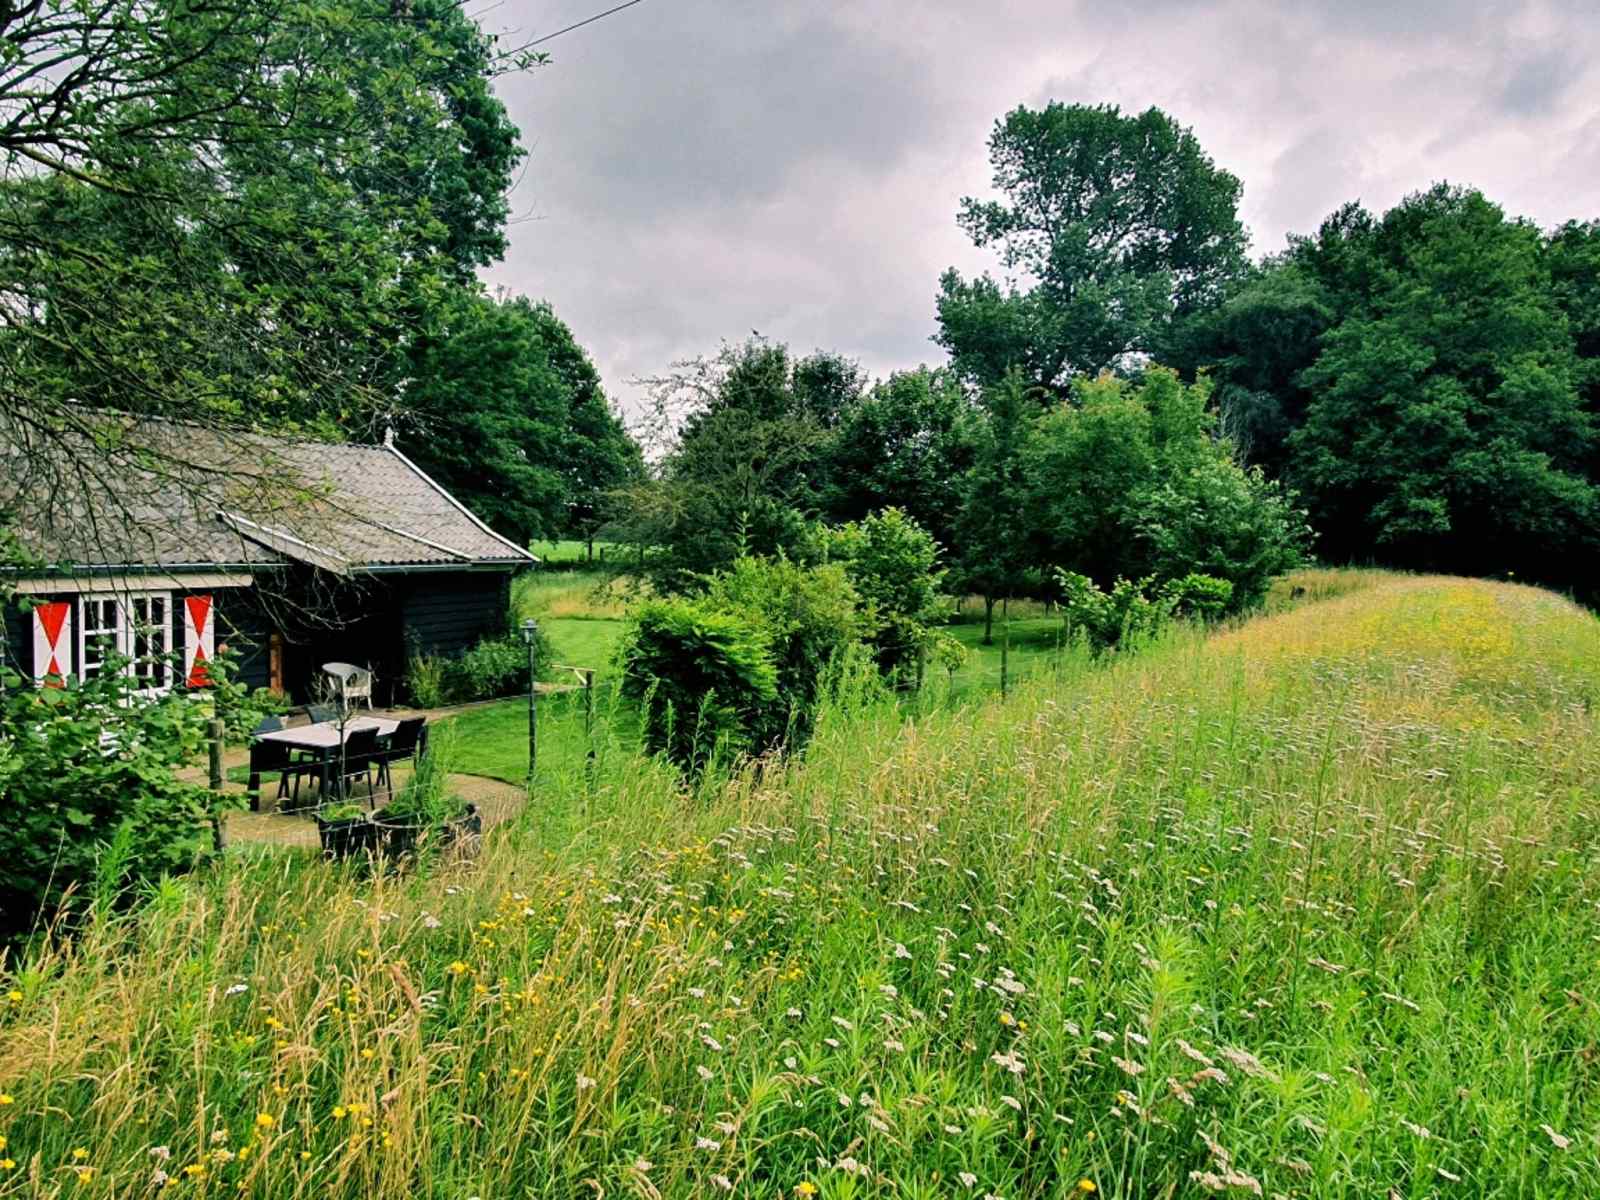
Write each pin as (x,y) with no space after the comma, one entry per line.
(908,442)
(704,678)
(812,623)
(240,212)
(241,708)
(1130,614)
(1119,222)
(495,666)
(91,765)
(893,564)
(508,413)
(746,434)
(993,557)
(1201,597)
(1128,482)
(427,798)
(1446,428)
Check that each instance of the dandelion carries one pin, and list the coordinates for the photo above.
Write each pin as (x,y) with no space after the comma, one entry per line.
(265,1121)
(1007,1020)
(458,968)
(80,1154)
(85,1174)
(1087,1187)
(8,1164)
(805,1188)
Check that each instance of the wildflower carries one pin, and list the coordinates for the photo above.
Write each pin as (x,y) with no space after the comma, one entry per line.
(339,1111)
(967,1178)
(265,1121)
(85,1174)
(723,1182)
(80,1154)
(705,1143)
(458,968)
(584,1082)
(1087,1187)
(1007,1020)
(14,996)
(8,1164)
(805,1188)
(704,1072)
(237,989)
(6,1098)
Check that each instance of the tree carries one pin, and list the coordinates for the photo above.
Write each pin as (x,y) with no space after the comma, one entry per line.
(908,442)
(1445,428)
(992,551)
(894,565)
(508,413)
(1573,255)
(745,435)
(1116,223)
(235,214)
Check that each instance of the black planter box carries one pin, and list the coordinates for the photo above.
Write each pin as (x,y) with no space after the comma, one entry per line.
(348,838)
(400,837)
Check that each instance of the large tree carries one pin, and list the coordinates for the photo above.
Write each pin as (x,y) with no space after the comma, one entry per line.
(1445,428)
(907,443)
(236,213)
(1110,226)
(507,411)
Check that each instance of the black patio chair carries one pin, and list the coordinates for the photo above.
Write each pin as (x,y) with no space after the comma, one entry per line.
(361,757)
(270,756)
(268,725)
(316,714)
(406,742)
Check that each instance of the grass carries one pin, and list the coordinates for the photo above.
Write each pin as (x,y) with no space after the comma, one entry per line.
(1308,908)
(568,550)
(570,595)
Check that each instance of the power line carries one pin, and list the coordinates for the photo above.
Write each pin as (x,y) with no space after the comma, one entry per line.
(581,24)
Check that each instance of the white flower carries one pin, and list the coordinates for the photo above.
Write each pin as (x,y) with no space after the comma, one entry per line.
(968,1179)
(842,1023)
(723,1182)
(1011,1102)
(429,921)
(1556,1139)
(237,989)
(711,1042)
(705,1143)
(584,1082)
(900,951)
(698,993)
(703,1071)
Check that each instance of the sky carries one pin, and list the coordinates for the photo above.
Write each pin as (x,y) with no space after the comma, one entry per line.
(700,169)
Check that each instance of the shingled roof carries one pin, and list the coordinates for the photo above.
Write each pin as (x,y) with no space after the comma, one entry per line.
(163,495)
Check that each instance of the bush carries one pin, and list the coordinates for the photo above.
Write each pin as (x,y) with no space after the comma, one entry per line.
(812,622)
(494,667)
(1201,597)
(704,678)
(90,798)
(893,564)
(240,708)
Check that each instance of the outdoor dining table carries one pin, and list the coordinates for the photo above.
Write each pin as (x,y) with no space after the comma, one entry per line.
(322,739)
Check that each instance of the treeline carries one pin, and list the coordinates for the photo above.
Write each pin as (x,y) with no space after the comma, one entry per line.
(1134,398)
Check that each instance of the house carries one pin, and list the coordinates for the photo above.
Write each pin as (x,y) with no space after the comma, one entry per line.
(165,542)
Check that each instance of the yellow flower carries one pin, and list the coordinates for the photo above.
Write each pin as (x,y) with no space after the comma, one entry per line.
(806,1188)
(85,1174)
(14,996)
(7,1098)
(367,1052)
(1087,1187)
(80,1154)
(3,1142)
(458,968)
(1007,1019)
(338,1112)
(264,1121)
(8,1164)
(195,1170)
(304,1154)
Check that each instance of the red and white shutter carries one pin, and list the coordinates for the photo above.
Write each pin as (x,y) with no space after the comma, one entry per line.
(52,642)
(199,640)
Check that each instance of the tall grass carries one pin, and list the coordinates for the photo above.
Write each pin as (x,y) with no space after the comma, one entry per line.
(1305,909)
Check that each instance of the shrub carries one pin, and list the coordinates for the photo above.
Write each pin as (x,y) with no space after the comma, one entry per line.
(704,678)
(239,707)
(425,680)
(1201,597)
(812,622)
(90,796)
(494,667)
(893,564)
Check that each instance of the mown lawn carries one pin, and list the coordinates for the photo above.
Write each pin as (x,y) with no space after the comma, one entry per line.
(1309,908)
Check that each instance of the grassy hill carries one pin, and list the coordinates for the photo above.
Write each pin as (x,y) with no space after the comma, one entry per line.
(1306,909)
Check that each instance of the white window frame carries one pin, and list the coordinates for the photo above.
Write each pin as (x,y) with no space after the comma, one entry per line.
(124,637)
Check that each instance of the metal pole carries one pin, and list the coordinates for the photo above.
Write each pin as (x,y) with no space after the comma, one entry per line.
(588,725)
(530,634)
(1005,645)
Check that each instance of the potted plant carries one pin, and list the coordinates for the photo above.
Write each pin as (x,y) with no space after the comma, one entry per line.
(426,813)
(346,830)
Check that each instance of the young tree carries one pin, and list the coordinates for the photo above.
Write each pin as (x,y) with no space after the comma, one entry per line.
(992,534)
(1115,223)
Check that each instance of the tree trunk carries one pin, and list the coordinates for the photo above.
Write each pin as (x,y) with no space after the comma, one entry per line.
(988,620)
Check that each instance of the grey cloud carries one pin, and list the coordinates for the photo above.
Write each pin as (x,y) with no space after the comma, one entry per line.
(699,168)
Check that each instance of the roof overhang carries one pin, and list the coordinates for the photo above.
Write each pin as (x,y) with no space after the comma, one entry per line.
(131,580)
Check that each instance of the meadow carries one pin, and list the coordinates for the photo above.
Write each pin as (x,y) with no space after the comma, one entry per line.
(1306,908)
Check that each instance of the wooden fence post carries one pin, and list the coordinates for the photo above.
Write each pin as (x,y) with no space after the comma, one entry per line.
(214,754)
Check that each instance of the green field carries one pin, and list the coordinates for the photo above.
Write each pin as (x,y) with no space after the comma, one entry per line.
(1306,908)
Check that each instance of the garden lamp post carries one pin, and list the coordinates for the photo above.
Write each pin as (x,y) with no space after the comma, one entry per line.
(530,638)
